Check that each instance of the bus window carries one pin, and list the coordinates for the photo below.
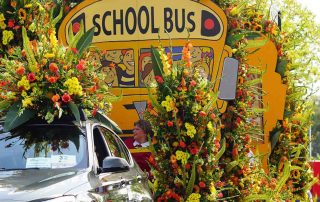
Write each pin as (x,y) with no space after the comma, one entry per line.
(118,65)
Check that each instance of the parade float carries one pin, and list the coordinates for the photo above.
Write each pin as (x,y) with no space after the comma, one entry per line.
(216,79)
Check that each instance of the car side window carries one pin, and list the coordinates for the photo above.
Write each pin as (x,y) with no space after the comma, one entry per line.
(113,144)
(100,146)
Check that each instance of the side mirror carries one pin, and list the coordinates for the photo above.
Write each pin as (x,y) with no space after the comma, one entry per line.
(114,164)
(228,83)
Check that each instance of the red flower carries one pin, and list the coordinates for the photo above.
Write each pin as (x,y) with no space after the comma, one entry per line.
(66,98)
(76,27)
(31,77)
(21,70)
(213,116)
(159,79)
(53,67)
(202,113)
(193,83)
(188,166)
(238,120)
(94,112)
(81,65)
(169,123)
(202,184)
(11,23)
(74,50)
(182,144)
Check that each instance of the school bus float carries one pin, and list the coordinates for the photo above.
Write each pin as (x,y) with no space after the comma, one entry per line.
(127,29)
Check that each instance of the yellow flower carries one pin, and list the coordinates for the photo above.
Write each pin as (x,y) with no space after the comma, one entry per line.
(191,130)
(49,55)
(24,94)
(28,6)
(210,127)
(194,197)
(7,36)
(27,102)
(183,156)
(168,103)
(2,18)
(2,25)
(74,87)
(53,39)
(24,82)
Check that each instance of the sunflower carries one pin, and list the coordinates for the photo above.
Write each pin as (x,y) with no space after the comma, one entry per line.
(247,25)
(258,28)
(22,14)
(296,174)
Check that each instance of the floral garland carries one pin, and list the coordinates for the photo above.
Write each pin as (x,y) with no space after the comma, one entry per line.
(185,150)
(46,79)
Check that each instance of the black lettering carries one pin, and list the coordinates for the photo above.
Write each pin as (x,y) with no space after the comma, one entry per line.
(153,28)
(134,16)
(97,25)
(117,22)
(104,26)
(168,19)
(191,21)
(144,9)
(180,29)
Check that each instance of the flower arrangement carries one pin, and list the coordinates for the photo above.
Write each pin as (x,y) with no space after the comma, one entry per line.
(185,148)
(46,79)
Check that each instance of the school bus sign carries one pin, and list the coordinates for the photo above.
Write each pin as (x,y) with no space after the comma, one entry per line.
(127,29)
(130,20)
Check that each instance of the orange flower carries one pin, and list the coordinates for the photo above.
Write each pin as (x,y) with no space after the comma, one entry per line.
(53,67)
(52,79)
(55,98)
(13,3)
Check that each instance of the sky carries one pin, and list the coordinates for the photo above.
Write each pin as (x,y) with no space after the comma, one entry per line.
(313,6)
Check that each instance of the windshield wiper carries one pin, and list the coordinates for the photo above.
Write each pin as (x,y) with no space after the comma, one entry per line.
(10,169)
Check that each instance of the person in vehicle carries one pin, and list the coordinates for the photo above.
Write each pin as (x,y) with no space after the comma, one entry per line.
(141,131)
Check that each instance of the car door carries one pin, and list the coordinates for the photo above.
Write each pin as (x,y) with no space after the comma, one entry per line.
(136,180)
(112,185)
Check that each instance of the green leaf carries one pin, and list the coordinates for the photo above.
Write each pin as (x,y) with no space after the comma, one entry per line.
(29,53)
(256,43)
(75,110)
(234,38)
(85,40)
(231,165)
(281,67)
(4,105)
(14,119)
(157,62)
(108,122)
(221,151)
(192,179)
(58,18)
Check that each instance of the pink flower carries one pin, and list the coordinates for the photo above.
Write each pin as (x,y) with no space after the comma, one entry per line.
(66,98)
(31,77)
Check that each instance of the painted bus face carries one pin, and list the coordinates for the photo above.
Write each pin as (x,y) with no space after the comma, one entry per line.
(127,29)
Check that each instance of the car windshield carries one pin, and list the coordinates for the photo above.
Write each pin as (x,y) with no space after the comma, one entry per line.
(43,146)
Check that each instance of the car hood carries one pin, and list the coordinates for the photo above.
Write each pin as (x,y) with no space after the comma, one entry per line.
(26,185)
